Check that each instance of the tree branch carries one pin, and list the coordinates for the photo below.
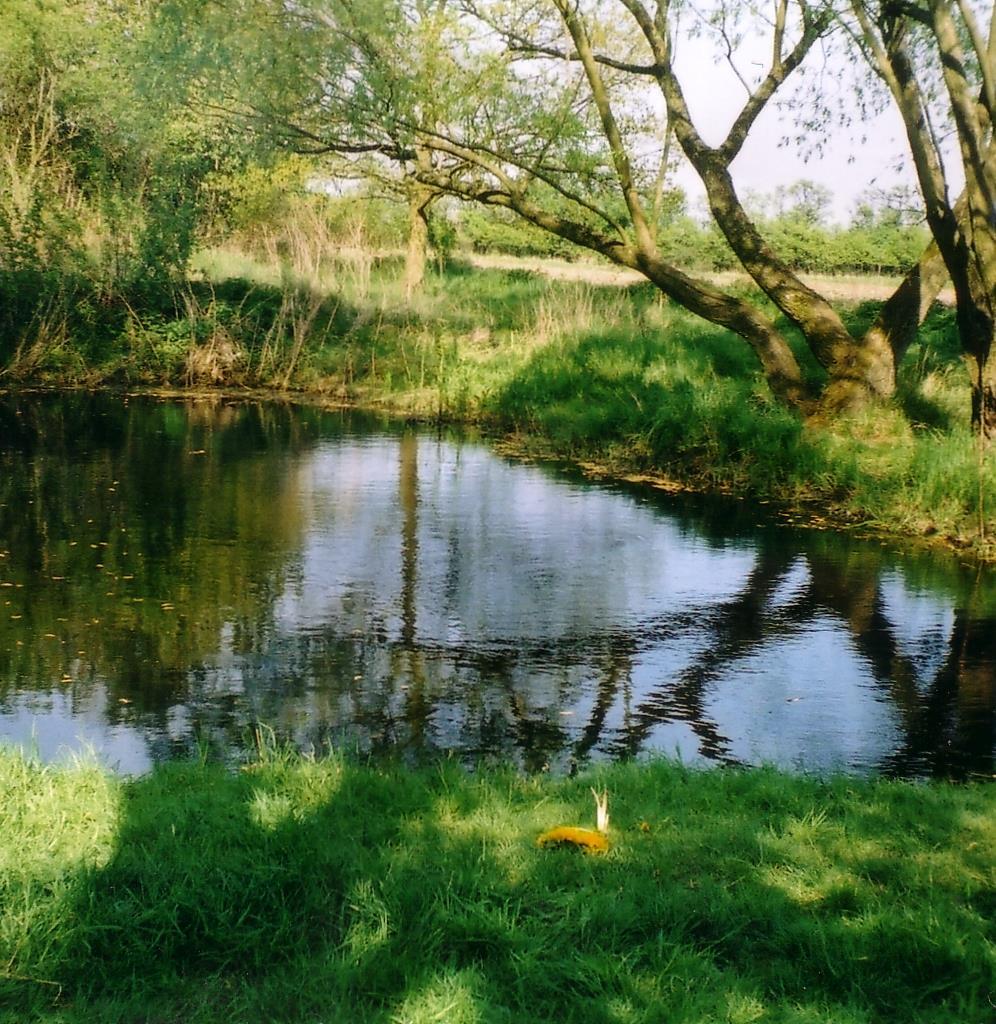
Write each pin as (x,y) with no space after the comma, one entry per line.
(620,157)
(982,55)
(490,161)
(536,50)
(961,95)
(893,63)
(780,69)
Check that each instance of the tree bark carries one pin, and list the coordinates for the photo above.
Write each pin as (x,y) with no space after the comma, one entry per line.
(983,373)
(420,198)
(977,308)
(417,251)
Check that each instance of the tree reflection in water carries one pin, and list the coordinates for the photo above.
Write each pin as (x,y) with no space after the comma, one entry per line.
(175,573)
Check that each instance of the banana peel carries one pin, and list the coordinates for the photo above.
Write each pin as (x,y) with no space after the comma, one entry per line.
(590,840)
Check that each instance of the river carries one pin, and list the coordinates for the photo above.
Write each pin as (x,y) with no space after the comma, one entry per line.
(180,577)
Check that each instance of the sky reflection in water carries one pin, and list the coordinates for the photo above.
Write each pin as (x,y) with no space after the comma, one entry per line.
(173,574)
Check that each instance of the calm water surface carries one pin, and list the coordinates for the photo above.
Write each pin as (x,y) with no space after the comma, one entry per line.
(172,575)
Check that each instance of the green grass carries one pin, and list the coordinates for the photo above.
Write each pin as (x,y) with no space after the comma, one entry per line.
(325,890)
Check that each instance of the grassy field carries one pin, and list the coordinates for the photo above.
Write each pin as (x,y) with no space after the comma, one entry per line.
(604,374)
(323,890)
(846,288)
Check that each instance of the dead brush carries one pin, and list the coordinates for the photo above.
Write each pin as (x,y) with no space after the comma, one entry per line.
(46,335)
(216,361)
(576,309)
(220,358)
(294,327)
(355,260)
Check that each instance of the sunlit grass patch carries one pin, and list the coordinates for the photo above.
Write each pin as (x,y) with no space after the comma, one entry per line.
(450,996)
(57,826)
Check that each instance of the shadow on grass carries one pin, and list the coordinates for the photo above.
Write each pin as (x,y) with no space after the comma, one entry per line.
(307,891)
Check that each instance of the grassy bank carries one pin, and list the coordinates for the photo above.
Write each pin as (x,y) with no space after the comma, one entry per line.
(608,375)
(298,890)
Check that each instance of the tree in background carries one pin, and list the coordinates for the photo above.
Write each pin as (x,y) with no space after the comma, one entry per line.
(92,180)
(543,109)
(805,201)
(338,81)
(882,237)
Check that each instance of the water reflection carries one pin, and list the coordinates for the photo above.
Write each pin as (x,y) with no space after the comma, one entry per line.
(172,574)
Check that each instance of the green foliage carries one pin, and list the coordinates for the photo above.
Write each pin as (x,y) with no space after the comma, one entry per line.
(101,196)
(251,199)
(870,245)
(687,243)
(497,231)
(374,221)
(271,208)
(303,890)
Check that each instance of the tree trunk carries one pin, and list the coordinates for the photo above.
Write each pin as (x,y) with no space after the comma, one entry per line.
(859,370)
(978,331)
(420,198)
(965,233)
(982,369)
(861,373)
(416,255)
(781,368)
(973,274)
(984,399)
(877,355)
(902,313)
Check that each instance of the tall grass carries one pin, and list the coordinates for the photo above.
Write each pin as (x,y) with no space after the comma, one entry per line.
(323,890)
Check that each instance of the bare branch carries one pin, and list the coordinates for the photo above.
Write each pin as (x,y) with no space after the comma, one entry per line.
(537,50)
(520,44)
(491,161)
(728,45)
(603,104)
(781,68)
(981,48)
(778,36)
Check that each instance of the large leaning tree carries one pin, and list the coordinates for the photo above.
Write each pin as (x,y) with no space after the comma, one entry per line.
(564,144)
(938,59)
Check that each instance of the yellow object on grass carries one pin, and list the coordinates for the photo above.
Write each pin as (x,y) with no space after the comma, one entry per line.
(590,840)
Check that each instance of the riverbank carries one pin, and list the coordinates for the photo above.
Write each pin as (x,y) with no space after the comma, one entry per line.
(609,377)
(325,890)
